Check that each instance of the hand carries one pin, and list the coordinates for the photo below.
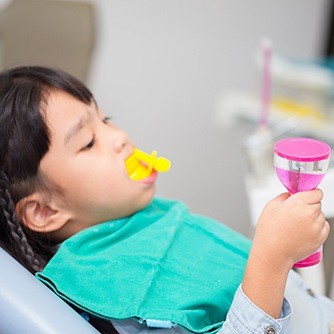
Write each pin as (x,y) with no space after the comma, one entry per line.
(291,228)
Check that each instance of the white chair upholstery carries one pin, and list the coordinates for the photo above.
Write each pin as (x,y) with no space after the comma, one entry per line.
(28,306)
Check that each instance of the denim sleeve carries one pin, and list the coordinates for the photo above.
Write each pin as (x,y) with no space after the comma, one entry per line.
(245,318)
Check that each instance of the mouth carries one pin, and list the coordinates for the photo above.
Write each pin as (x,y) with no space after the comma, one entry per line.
(141,172)
(150,179)
(137,169)
(142,166)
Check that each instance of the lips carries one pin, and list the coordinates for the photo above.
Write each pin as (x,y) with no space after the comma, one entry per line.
(151,178)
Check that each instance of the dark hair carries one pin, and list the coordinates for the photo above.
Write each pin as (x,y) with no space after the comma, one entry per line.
(24,140)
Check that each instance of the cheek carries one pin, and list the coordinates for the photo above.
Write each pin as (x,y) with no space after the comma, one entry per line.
(101,178)
(100,183)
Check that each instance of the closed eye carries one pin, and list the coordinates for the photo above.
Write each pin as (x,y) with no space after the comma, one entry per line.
(106,119)
(89,145)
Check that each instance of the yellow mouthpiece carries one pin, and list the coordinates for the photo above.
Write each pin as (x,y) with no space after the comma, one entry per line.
(140,164)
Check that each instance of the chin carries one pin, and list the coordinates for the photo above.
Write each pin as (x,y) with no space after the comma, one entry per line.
(147,200)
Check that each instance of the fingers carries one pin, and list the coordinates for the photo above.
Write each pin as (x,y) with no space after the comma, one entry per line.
(321,228)
(324,227)
(310,196)
(326,230)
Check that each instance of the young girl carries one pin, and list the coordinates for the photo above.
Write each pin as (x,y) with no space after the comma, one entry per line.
(130,262)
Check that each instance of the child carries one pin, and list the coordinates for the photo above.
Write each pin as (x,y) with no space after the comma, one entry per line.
(71,214)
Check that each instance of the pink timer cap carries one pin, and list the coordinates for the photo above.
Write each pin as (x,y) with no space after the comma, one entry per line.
(302,149)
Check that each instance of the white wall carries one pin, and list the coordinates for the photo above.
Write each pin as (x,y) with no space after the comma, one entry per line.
(160,67)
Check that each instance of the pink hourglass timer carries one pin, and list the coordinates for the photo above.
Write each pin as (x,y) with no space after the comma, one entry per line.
(301,164)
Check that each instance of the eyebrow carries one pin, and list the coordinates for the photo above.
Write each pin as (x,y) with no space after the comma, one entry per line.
(73,130)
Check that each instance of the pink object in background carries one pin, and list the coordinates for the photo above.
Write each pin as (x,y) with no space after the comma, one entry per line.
(266,81)
(301,164)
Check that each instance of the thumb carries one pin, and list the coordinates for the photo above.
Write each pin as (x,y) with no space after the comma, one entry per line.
(280,198)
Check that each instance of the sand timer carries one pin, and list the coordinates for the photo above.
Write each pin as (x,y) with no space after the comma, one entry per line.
(301,164)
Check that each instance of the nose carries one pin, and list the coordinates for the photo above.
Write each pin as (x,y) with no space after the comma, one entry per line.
(121,142)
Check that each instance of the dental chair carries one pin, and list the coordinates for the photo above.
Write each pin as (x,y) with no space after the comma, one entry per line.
(27,306)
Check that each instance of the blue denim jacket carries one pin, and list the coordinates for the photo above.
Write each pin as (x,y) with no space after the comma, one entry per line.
(245,317)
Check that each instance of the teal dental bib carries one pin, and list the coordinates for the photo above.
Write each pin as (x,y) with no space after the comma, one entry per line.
(162,264)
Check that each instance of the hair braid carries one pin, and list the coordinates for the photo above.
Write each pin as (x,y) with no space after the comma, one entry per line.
(8,211)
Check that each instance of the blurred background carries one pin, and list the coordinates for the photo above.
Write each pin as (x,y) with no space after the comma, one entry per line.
(169,72)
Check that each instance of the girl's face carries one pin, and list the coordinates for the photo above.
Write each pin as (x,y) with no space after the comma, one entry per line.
(86,159)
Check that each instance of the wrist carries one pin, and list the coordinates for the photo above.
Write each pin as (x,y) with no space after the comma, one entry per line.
(267,259)
(265,281)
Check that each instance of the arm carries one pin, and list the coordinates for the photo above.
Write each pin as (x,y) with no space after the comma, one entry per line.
(289,229)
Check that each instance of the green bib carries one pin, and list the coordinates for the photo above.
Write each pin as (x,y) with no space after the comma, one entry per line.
(162,263)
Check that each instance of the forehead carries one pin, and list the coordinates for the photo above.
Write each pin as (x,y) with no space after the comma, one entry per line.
(60,104)
(62,110)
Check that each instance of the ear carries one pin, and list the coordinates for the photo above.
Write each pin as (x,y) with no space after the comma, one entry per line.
(38,213)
